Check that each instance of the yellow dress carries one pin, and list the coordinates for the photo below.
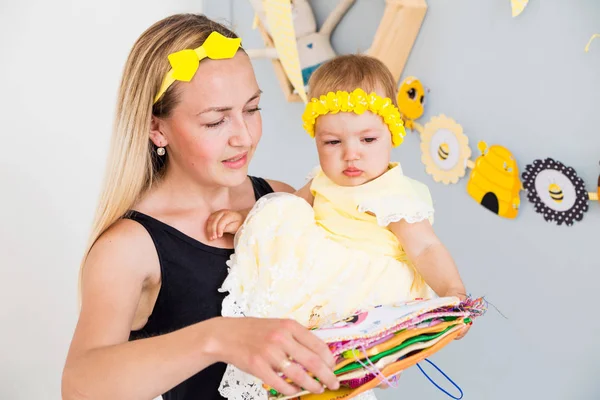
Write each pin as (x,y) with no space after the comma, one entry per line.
(321,263)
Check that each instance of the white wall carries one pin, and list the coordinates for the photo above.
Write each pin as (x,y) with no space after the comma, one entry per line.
(60,65)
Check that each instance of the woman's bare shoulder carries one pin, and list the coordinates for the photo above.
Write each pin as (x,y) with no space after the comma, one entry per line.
(279,186)
(127,248)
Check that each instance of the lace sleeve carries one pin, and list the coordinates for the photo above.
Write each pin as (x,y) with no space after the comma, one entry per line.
(393,209)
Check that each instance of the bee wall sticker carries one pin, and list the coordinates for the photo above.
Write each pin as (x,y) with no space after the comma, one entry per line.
(556,191)
(411,100)
(494,182)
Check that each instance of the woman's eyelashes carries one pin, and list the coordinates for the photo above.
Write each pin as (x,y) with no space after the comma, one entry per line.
(250,111)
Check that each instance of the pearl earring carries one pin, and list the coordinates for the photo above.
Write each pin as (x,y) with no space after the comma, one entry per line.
(160,151)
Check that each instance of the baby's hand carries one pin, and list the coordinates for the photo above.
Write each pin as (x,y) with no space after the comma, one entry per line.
(223,221)
(463,332)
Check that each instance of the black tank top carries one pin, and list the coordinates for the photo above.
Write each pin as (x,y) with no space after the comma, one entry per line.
(191,274)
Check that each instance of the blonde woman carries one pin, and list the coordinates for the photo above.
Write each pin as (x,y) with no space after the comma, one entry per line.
(187,124)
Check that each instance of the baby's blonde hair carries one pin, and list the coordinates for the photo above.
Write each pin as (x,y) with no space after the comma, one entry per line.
(350,71)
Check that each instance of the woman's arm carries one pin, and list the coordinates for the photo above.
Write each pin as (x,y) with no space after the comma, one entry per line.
(102,363)
(304,192)
(279,186)
(430,257)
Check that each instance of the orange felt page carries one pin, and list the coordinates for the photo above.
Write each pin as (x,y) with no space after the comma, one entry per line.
(397,340)
(388,371)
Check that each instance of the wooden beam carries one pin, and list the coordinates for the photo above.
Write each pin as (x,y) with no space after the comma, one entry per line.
(397,32)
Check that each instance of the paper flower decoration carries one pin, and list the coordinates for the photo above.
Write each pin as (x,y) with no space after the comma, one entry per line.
(556,191)
(445,150)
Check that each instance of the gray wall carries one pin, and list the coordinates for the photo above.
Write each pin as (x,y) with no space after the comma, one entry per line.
(527,84)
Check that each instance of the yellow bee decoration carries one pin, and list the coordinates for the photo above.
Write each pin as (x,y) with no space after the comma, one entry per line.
(494,181)
(443,151)
(556,193)
(411,99)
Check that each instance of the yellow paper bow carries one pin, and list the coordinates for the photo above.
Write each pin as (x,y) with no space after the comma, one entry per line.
(358,102)
(184,63)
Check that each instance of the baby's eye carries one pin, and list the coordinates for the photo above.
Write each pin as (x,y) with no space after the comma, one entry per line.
(370,139)
(333,142)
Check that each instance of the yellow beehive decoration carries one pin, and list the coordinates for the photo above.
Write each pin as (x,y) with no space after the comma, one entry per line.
(494,182)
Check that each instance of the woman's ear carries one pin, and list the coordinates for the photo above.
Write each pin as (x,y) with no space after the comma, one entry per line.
(156,133)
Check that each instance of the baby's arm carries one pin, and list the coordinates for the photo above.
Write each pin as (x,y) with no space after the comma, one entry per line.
(229,221)
(430,257)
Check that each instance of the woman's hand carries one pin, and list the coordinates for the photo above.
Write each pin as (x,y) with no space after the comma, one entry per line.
(264,347)
(223,221)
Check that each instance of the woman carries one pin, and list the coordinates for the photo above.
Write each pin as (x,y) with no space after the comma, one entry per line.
(187,124)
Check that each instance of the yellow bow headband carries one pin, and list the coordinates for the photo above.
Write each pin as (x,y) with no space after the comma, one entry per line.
(184,63)
(358,102)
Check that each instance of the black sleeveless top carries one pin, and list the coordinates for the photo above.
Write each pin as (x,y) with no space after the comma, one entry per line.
(191,274)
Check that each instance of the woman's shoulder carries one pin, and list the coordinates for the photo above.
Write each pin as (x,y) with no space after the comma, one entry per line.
(279,186)
(125,248)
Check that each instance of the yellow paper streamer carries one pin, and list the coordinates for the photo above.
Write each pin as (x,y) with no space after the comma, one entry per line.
(281,26)
(518,6)
(594,36)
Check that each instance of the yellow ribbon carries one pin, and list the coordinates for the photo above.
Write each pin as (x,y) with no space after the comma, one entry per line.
(184,63)
(594,36)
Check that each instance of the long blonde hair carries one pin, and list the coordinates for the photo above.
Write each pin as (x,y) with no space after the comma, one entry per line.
(133,166)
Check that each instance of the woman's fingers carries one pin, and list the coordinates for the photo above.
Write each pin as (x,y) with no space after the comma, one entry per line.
(296,374)
(314,355)
(271,378)
(266,348)
(311,341)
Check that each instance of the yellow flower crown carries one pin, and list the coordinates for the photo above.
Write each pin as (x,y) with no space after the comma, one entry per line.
(358,102)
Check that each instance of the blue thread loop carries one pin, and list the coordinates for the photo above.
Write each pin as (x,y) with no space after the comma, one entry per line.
(446,376)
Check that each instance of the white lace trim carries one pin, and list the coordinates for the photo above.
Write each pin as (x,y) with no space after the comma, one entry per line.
(238,385)
(395,208)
